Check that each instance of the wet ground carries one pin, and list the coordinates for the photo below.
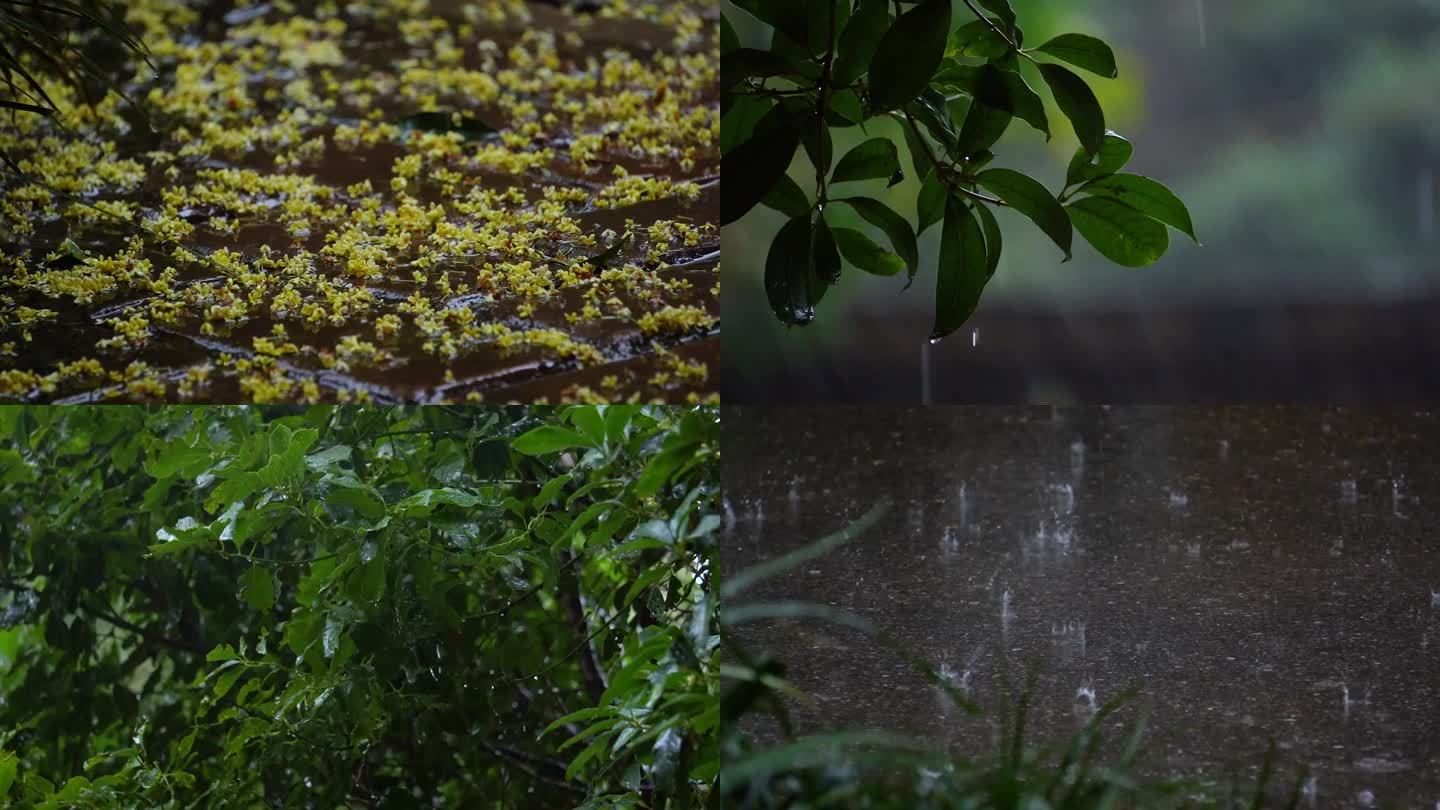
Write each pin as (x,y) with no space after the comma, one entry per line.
(432,201)
(1257,573)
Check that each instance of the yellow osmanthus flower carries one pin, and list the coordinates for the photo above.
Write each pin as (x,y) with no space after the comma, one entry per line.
(285,187)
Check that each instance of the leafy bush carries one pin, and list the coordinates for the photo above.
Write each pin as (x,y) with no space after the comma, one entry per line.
(953,90)
(341,606)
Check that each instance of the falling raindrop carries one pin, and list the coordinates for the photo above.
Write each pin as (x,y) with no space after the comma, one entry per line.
(1077,458)
(1200,23)
(974,338)
(925,371)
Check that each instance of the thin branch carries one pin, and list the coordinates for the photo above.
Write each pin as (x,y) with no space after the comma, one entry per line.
(939,169)
(186,646)
(970,4)
(523,762)
(589,667)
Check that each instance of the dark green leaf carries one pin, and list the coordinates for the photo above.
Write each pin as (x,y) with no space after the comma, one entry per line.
(1149,197)
(1001,9)
(1079,104)
(824,257)
(1120,233)
(1029,197)
(846,104)
(962,273)
(931,203)
(739,123)
(859,40)
(549,439)
(993,241)
(788,198)
(908,55)
(729,41)
(901,235)
(751,169)
(787,272)
(753,63)
(859,250)
(1115,152)
(1083,52)
(258,588)
(789,18)
(871,160)
(977,39)
(982,128)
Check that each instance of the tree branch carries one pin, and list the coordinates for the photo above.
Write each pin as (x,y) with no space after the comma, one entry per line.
(589,667)
(152,637)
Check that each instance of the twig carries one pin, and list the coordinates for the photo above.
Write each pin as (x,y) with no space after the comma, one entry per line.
(941,169)
(589,667)
(186,646)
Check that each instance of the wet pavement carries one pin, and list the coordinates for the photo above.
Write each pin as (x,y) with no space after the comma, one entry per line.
(1255,572)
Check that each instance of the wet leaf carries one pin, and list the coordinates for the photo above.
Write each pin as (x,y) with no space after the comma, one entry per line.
(1120,233)
(895,227)
(1083,52)
(549,439)
(962,271)
(859,40)
(908,55)
(752,168)
(824,256)
(1149,197)
(788,198)
(1078,102)
(874,159)
(1114,153)
(859,250)
(1029,197)
(257,586)
(787,272)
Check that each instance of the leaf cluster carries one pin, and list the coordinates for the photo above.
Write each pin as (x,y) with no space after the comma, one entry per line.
(954,88)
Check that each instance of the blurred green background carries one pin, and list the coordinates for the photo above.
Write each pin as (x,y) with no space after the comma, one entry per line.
(1305,138)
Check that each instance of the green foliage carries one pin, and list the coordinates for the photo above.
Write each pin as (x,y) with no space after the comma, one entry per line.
(358,607)
(884,771)
(954,87)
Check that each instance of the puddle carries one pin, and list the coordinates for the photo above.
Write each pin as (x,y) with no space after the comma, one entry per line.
(283,235)
(1256,572)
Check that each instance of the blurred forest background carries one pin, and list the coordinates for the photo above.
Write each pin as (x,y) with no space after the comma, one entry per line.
(1300,136)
